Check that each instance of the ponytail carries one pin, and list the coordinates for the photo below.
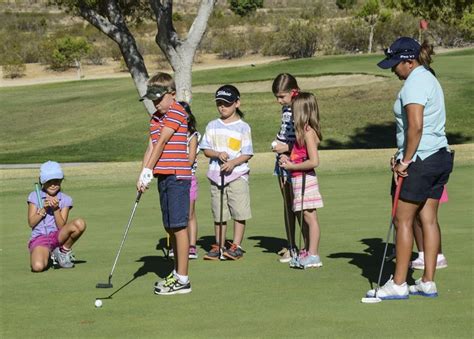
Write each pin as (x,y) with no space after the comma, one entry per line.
(426,52)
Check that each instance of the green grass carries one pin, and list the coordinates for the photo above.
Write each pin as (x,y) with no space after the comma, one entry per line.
(101,120)
(256,297)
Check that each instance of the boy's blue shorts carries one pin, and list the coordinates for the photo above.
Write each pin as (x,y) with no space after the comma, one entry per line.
(174,200)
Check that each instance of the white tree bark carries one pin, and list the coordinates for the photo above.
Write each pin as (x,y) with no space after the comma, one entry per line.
(180,52)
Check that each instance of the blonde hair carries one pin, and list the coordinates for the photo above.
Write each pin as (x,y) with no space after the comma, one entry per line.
(306,113)
(162,79)
(426,51)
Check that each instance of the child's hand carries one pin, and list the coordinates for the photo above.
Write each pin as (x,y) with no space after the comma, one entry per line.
(285,162)
(228,167)
(223,157)
(41,211)
(280,147)
(52,202)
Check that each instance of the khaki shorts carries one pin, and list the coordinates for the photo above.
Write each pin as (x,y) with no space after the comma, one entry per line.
(236,201)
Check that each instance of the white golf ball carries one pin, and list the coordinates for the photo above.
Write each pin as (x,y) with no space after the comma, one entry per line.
(274,143)
(98,303)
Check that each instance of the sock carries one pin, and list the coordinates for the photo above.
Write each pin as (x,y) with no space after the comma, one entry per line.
(174,273)
(183,279)
(421,255)
(64,249)
(440,256)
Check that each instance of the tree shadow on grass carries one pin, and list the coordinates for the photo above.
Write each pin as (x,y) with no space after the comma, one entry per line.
(380,136)
(370,261)
(270,244)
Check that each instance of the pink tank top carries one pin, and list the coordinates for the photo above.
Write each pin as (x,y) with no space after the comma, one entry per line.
(298,155)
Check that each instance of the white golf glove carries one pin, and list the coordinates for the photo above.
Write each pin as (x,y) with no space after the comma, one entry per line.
(145,177)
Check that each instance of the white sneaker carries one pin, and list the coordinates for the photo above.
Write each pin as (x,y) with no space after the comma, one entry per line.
(426,289)
(390,291)
(419,263)
(287,255)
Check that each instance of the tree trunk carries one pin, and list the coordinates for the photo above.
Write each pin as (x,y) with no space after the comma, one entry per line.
(371,38)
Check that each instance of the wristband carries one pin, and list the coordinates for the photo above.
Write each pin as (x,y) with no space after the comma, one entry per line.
(405,163)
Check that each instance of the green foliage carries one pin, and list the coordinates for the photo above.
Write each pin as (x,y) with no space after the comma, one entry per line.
(66,52)
(348,36)
(295,39)
(445,11)
(230,45)
(370,11)
(395,26)
(345,4)
(245,7)
(13,66)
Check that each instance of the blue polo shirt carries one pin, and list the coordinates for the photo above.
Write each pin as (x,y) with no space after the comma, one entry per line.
(421,87)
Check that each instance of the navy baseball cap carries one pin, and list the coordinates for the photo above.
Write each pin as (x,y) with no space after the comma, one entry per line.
(155,92)
(403,48)
(227,93)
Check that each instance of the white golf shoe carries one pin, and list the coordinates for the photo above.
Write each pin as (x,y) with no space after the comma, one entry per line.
(426,289)
(390,291)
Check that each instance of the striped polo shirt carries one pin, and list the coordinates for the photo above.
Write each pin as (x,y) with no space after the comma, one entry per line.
(174,159)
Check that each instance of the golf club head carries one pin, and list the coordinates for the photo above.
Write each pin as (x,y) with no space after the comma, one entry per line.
(104,285)
(370,300)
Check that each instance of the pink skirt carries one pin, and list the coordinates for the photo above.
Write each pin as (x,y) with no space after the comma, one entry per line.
(312,197)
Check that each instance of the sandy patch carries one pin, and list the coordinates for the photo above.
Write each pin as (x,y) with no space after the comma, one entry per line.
(325,81)
(39,74)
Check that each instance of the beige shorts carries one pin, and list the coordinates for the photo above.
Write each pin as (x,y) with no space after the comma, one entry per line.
(236,201)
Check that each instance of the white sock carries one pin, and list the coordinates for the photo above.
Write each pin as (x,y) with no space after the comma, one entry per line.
(183,279)
(174,273)
(440,256)
(421,255)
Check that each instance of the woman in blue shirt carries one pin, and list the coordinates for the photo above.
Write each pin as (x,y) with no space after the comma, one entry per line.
(423,160)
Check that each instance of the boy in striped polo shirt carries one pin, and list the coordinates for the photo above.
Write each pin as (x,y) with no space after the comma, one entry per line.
(166,158)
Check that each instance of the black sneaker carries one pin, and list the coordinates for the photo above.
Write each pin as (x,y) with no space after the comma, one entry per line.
(173,286)
(234,252)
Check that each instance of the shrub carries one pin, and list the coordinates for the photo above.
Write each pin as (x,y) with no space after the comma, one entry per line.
(66,52)
(297,39)
(13,67)
(230,45)
(350,36)
(245,7)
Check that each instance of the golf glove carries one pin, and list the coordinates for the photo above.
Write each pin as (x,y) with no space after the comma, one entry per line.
(146,176)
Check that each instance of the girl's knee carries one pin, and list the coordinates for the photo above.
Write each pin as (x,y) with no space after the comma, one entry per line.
(80,225)
(38,266)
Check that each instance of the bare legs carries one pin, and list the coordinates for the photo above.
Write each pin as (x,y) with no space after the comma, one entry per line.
(404,219)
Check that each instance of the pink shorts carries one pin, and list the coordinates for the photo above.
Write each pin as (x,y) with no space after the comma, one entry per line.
(51,241)
(444,196)
(193,192)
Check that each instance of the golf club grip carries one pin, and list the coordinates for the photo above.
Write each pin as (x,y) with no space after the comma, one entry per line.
(38,196)
(139,195)
(397,195)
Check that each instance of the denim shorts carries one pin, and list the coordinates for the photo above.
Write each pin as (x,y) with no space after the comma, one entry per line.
(426,178)
(174,200)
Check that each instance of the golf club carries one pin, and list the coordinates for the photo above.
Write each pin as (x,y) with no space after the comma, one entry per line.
(109,283)
(221,217)
(375,299)
(291,244)
(40,204)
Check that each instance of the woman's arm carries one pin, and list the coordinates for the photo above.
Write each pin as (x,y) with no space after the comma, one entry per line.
(413,136)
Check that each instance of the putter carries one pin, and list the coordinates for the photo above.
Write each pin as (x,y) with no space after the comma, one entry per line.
(375,299)
(40,204)
(109,283)
(221,217)
(281,179)
(167,254)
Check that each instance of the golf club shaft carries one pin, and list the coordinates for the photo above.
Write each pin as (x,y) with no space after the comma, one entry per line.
(281,179)
(391,226)
(221,214)
(139,194)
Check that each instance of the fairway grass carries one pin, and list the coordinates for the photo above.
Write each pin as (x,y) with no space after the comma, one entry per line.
(256,297)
